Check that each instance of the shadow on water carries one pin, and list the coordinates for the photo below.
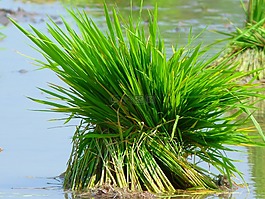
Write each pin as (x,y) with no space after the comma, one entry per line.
(31,146)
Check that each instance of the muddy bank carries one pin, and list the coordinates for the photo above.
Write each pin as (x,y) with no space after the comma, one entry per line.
(19,14)
(22,15)
(111,192)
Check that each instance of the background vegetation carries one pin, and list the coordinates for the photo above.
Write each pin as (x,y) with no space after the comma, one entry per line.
(249,41)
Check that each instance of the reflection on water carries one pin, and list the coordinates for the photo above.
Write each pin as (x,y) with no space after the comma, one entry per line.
(256,159)
(33,151)
(256,163)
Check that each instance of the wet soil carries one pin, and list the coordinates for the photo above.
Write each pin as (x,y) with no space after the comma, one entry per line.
(112,192)
(19,14)
(107,191)
(23,16)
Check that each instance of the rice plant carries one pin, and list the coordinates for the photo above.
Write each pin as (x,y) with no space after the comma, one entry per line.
(146,120)
(255,11)
(250,40)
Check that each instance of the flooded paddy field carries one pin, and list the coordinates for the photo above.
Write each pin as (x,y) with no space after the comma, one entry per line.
(35,150)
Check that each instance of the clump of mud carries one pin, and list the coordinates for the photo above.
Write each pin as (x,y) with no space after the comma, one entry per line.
(111,192)
(108,191)
(19,14)
(22,15)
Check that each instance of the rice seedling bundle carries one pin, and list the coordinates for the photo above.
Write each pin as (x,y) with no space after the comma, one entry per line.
(247,44)
(146,120)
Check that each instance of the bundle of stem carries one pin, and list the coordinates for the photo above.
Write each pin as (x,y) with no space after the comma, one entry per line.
(144,117)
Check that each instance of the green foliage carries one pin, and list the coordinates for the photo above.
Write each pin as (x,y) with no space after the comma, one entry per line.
(143,116)
(252,36)
(247,44)
(253,33)
(255,11)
